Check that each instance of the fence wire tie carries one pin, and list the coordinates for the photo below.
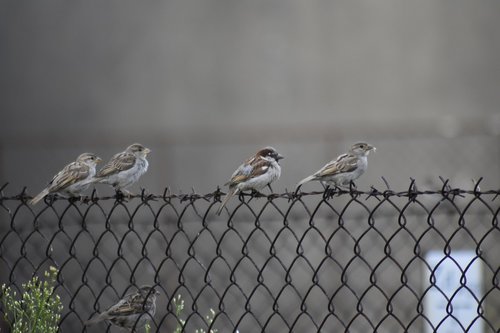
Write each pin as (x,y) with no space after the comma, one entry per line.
(2,195)
(412,191)
(120,197)
(288,195)
(477,189)
(166,194)
(496,195)
(373,193)
(22,196)
(217,194)
(328,193)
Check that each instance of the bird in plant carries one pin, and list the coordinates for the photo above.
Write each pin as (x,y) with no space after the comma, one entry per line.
(132,311)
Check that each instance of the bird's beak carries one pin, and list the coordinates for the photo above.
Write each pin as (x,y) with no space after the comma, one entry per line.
(98,160)
(147,150)
(373,148)
(279,157)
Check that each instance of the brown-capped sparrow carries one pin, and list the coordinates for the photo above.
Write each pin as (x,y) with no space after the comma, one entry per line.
(124,168)
(132,311)
(73,179)
(255,173)
(346,168)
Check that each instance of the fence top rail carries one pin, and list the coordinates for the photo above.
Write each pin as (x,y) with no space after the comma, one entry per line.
(412,192)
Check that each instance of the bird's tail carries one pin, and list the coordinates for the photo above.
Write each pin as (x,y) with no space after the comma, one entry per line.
(305,180)
(94,320)
(232,191)
(39,197)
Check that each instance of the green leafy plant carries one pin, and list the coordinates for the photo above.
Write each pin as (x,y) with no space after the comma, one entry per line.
(179,307)
(39,308)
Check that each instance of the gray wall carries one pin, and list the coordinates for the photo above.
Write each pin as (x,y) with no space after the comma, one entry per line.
(204,83)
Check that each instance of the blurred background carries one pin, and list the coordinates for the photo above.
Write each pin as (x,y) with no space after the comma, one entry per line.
(205,83)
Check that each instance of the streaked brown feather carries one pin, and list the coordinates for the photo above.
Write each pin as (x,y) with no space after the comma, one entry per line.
(259,167)
(118,163)
(131,306)
(345,163)
(71,174)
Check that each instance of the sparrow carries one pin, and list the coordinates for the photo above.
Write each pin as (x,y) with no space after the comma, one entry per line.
(124,168)
(73,179)
(255,173)
(346,168)
(131,311)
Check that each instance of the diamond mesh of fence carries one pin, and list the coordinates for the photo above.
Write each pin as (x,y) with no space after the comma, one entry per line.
(342,260)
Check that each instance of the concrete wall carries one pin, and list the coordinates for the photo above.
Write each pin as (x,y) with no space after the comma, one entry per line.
(207,82)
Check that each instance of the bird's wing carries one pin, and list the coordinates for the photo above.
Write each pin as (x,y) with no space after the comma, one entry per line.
(246,171)
(72,173)
(344,163)
(119,162)
(131,304)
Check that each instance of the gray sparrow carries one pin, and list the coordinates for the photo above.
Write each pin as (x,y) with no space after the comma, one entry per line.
(131,311)
(345,168)
(73,179)
(125,168)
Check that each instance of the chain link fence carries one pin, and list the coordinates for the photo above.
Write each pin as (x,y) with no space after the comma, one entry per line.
(339,260)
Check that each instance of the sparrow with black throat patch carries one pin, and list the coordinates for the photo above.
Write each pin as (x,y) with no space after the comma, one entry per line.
(125,168)
(345,168)
(73,179)
(132,311)
(255,173)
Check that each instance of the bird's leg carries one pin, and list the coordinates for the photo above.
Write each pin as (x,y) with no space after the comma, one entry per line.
(241,196)
(119,194)
(352,186)
(84,199)
(59,196)
(74,199)
(253,194)
(123,193)
(330,192)
(256,193)
(128,193)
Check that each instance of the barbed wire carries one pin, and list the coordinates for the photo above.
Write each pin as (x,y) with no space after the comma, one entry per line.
(411,192)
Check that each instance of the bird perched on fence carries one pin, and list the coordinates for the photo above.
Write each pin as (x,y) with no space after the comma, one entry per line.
(73,179)
(255,173)
(132,311)
(125,168)
(346,168)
